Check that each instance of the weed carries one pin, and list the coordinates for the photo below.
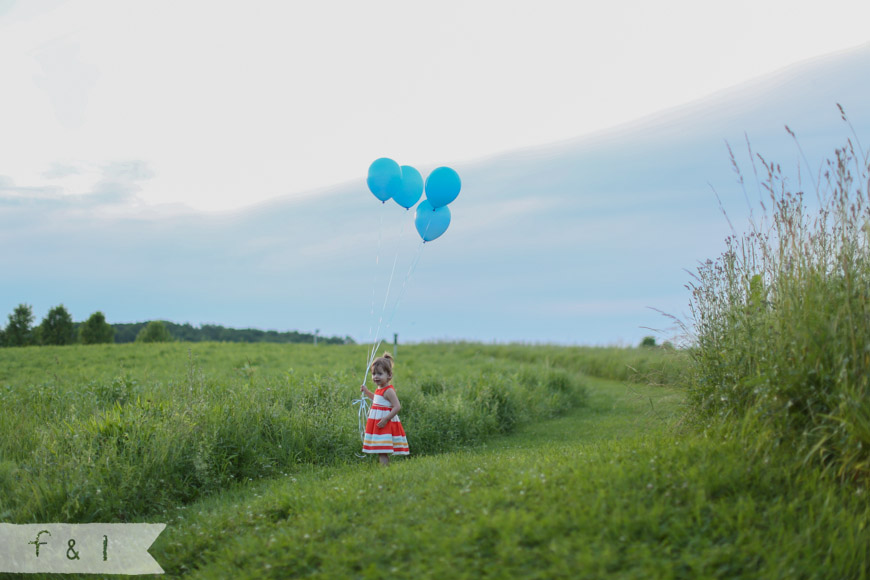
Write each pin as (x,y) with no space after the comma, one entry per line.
(781,320)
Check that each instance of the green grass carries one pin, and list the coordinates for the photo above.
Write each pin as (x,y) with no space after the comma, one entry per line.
(658,366)
(111,433)
(781,321)
(554,474)
(614,489)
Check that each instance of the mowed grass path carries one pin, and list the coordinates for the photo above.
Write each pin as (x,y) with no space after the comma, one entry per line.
(616,489)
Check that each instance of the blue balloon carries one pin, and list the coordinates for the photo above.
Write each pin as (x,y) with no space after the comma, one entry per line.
(385,178)
(412,187)
(431,222)
(442,186)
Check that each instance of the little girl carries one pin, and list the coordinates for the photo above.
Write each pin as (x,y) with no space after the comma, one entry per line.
(384,433)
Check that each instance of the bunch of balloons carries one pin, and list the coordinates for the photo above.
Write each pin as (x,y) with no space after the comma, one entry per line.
(404,184)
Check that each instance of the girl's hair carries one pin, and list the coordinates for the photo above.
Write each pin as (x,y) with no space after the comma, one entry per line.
(384,363)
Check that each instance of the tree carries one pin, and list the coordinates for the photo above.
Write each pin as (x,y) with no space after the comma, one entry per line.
(96,330)
(648,341)
(155,331)
(19,331)
(57,327)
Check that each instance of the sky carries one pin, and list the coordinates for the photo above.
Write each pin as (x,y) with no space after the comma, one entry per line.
(216,106)
(205,163)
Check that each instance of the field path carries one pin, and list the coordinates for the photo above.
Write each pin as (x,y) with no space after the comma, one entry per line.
(478,505)
(614,489)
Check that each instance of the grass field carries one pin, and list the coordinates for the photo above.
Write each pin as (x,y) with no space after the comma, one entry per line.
(524,465)
(611,490)
(110,433)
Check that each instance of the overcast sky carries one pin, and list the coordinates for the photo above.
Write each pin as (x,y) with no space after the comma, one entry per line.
(217,105)
(152,154)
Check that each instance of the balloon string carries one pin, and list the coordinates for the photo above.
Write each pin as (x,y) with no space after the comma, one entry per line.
(411,269)
(392,273)
(375,277)
(362,410)
(362,415)
(375,282)
(376,342)
(377,338)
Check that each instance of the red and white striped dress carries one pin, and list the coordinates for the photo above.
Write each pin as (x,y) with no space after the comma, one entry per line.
(391,439)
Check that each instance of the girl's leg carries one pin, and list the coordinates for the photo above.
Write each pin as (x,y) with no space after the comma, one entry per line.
(384,458)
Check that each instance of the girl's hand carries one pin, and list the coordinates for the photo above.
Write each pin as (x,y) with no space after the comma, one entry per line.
(362,389)
(382,423)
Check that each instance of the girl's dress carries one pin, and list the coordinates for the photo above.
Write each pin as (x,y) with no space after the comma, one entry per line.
(390,439)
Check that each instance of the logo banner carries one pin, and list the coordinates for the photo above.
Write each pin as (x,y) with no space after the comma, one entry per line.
(79,548)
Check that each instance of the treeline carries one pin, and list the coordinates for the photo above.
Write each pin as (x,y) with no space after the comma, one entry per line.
(128,332)
(58,328)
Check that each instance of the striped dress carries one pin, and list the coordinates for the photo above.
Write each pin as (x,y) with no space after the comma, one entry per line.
(391,439)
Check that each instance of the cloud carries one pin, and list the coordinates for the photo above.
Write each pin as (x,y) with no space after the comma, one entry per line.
(6,6)
(119,184)
(21,195)
(61,170)
(128,171)
(110,193)
(66,80)
(112,186)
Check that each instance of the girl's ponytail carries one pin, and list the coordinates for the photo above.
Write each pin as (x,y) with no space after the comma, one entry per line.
(384,362)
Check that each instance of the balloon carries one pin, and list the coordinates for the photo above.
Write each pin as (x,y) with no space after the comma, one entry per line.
(385,178)
(431,222)
(412,187)
(442,186)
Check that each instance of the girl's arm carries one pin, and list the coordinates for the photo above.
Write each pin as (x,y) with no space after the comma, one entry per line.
(366,392)
(390,395)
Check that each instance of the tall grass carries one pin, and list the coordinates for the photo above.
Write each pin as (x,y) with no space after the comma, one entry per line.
(645,365)
(781,319)
(169,429)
